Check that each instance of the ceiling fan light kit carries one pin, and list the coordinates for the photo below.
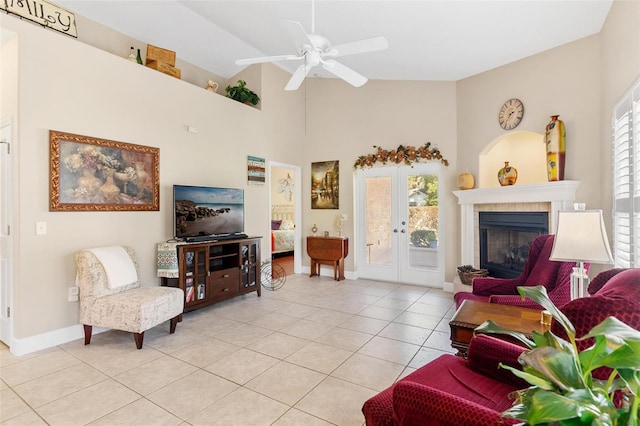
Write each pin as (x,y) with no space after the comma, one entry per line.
(316,50)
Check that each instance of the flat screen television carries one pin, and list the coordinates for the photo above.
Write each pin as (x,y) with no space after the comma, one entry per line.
(204,211)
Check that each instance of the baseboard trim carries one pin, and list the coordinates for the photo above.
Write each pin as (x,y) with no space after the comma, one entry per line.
(49,339)
(446,286)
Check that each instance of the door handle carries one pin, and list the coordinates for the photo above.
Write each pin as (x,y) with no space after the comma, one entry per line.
(403,231)
(395,230)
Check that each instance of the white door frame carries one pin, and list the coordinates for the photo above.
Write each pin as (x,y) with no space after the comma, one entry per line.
(297,212)
(399,270)
(6,235)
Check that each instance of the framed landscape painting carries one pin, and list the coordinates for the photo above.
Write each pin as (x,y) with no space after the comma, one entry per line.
(92,174)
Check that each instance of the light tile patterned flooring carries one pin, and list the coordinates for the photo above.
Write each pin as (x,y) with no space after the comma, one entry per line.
(309,353)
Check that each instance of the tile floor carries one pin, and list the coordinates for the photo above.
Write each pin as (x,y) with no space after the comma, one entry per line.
(309,353)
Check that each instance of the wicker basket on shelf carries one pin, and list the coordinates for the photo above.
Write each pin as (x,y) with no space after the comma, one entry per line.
(467,273)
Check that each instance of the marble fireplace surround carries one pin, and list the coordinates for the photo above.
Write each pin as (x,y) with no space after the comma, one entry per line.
(548,196)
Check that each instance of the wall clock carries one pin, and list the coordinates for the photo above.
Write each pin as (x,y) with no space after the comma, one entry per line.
(511,114)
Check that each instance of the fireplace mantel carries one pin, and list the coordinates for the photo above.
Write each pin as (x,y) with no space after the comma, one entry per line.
(561,196)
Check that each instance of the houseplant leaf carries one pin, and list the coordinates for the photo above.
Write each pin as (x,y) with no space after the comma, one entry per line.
(614,328)
(539,295)
(531,377)
(547,406)
(563,391)
(558,366)
(491,327)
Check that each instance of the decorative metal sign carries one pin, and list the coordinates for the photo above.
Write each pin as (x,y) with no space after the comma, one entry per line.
(44,13)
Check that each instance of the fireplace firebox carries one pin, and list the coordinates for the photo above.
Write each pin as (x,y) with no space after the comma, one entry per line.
(505,239)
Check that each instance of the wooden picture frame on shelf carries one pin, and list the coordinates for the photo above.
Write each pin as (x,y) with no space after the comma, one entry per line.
(93,174)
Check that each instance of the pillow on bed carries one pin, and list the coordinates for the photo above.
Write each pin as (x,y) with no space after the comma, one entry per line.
(275,225)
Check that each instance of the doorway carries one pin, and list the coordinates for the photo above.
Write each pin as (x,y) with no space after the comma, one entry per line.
(400,221)
(285,206)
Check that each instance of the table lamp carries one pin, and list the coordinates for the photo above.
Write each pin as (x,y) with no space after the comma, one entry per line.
(581,237)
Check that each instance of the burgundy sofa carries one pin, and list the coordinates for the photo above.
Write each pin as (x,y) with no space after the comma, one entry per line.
(538,270)
(453,391)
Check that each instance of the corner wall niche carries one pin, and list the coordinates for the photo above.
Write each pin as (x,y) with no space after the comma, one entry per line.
(524,150)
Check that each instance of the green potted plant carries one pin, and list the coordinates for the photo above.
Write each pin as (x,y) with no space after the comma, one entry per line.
(242,93)
(563,390)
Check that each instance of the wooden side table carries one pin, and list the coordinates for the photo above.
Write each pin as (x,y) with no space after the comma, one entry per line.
(328,251)
(473,313)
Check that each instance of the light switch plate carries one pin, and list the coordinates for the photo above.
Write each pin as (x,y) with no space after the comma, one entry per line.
(41,228)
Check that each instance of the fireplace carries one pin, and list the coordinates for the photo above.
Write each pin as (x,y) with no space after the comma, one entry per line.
(549,197)
(505,239)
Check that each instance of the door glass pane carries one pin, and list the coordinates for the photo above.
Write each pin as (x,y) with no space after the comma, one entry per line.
(423,228)
(378,221)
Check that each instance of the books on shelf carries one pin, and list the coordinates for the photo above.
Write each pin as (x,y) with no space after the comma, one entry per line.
(190,294)
(200,291)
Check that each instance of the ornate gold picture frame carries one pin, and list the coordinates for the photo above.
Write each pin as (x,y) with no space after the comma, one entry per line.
(325,185)
(92,174)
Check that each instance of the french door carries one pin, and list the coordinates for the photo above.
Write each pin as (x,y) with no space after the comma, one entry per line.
(399,223)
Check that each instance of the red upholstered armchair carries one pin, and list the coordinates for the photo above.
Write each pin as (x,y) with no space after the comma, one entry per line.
(538,270)
(451,391)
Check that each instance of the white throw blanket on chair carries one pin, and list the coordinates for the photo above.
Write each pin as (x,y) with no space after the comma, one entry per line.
(117,264)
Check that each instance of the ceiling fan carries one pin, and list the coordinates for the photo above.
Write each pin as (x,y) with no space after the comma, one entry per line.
(316,50)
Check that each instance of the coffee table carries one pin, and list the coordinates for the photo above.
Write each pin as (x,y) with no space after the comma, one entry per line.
(473,313)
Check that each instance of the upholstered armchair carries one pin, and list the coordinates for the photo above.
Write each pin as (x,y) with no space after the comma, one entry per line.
(538,270)
(111,295)
(454,391)
(451,390)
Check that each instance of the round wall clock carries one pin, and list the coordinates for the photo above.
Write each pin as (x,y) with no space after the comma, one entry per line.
(511,114)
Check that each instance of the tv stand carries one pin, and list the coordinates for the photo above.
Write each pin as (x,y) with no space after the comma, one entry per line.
(213,271)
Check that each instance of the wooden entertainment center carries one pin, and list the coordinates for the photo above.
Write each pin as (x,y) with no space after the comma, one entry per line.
(213,271)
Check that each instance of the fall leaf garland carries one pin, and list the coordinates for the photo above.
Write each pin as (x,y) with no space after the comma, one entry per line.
(402,154)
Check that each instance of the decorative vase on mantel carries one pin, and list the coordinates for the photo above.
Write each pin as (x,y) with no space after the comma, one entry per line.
(508,175)
(466,181)
(555,138)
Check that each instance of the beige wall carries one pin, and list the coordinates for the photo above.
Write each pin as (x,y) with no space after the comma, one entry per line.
(564,81)
(344,122)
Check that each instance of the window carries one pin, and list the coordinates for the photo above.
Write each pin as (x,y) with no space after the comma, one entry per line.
(626,179)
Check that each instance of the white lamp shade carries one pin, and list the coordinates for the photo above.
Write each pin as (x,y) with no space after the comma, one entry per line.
(581,237)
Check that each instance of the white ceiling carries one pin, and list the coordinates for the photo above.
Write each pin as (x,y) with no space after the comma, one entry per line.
(443,40)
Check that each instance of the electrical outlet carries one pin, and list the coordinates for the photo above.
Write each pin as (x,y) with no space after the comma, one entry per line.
(73,294)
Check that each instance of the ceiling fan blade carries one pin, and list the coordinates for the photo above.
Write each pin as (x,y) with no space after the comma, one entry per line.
(298,77)
(297,32)
(250,61)
(344,72)
(361,46)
